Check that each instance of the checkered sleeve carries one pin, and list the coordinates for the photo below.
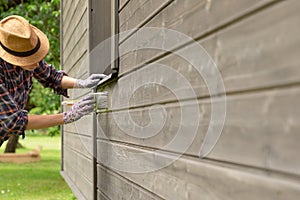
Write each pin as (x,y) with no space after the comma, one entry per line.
(48,76)
(12,119)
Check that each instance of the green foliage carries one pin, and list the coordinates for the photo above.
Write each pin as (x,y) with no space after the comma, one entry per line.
(45,15)
(3,5)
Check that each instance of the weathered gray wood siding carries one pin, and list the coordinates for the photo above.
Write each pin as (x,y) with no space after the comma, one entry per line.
(255,44)
(77,168)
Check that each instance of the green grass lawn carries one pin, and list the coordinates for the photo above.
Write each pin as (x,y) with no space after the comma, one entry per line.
(35,181)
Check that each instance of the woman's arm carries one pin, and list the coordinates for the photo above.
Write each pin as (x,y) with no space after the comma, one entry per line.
(83,107)
(91,81)
(68,82)
(44,121)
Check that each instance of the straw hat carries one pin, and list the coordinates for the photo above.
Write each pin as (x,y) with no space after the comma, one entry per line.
(21,44)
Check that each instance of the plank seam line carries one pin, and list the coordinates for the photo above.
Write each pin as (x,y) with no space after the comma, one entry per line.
(68,57)
(147,20)
(77,152)
(116,174)
(73,14)
(102,193)
(66,12)
(72,185)
(76,61)
(278,174)
(76,9)
(239,19)
(204,35)
(264,89)
(79,174)
(77,134)
(74,182)
(72,33)
(226,164)
(207,97)
(124,5)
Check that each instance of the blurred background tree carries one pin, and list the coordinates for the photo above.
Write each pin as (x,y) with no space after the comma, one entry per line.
(44,14)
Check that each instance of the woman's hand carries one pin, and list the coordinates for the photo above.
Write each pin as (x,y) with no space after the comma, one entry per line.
(83,107)
(90,82)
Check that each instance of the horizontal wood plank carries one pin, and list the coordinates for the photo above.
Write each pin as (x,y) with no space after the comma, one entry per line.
(81,164)
(262,125)
(72,38)
(79,143)
(85,186)
(77,180)
(80,68)
(101,196)
(138,12)
(116,187)
(262,49)
(256,156)
(122,3)
(78,51)
(72,186)
(193,178)
(260,52)
(260,129)
(179,16)
(83,126)
(67,9)
(78,7)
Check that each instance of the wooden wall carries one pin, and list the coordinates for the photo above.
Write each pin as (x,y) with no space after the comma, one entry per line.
(77,162)
(254,43)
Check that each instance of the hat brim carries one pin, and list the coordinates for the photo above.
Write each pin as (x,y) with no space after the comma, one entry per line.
(29,60)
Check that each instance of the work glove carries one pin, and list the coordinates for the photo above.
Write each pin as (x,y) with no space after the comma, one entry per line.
(90,82)
(83,107)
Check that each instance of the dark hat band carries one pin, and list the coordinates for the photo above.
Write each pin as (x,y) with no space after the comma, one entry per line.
(22,54)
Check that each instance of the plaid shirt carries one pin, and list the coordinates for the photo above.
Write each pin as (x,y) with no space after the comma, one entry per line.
(15,86)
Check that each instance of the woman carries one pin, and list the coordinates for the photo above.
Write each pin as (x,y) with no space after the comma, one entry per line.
(22,50)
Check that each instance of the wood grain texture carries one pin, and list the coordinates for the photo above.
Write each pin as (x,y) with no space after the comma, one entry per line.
(116,187)
(76,179)
(256,50)
(77,52)
(78,164)
(73,36)
(250,55)
(82,126)
(262,49)
(122,3)
(138,12)
(262,125)
(80,68)
(188,178)
(101,196)
(72,186)
(260,129)
(73,16)
(65,8)
(81,164)
(192,18)
(79,143)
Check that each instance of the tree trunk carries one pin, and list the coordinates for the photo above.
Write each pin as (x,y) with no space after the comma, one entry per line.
(12,144)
